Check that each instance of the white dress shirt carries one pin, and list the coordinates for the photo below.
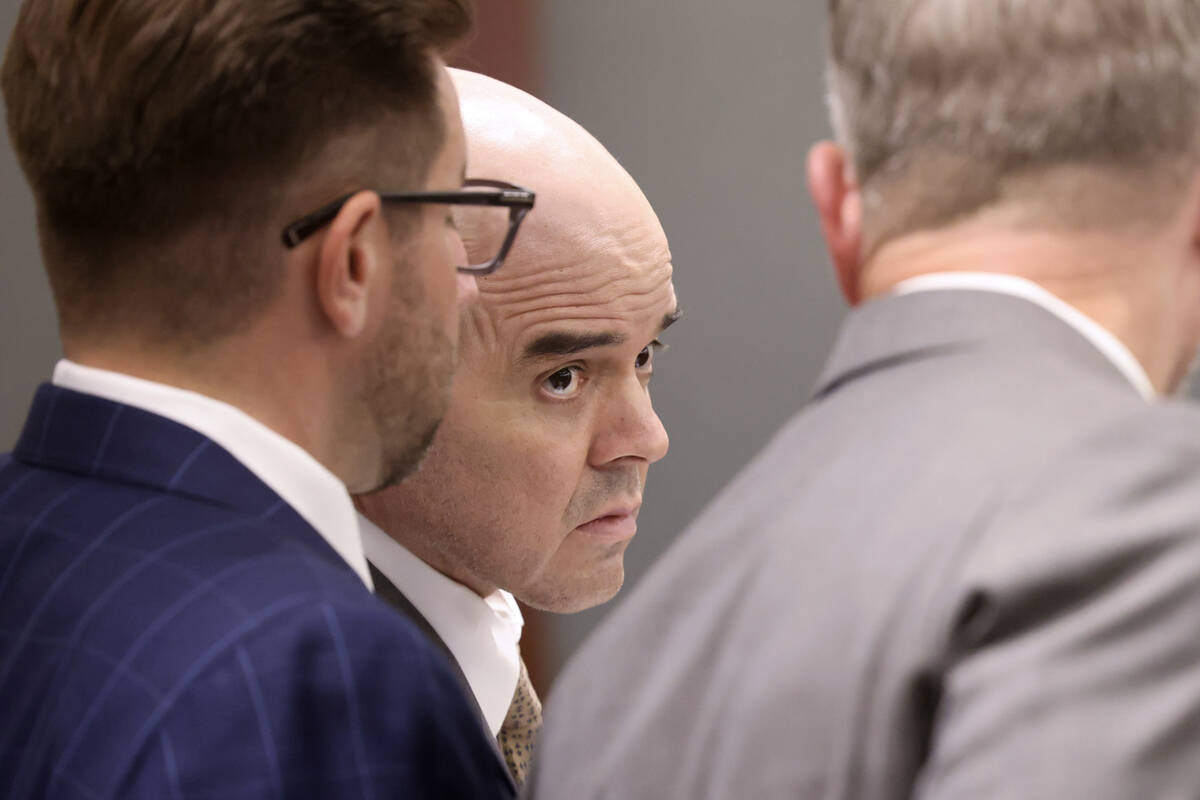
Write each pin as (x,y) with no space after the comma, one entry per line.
(288,469)
(483,633)
(1101,338)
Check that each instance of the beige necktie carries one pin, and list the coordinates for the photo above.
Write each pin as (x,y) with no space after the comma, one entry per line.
(520,727)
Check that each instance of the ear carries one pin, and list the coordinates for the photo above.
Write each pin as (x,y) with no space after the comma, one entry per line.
(351,258)
(835,193)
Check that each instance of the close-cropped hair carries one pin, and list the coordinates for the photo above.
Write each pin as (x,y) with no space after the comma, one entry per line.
(161,137)
(944,105)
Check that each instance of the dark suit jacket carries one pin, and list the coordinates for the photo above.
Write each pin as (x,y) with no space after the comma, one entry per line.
(390,594)
(970,568)
(170,628)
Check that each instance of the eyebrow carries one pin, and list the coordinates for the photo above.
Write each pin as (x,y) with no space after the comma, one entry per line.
(562,343)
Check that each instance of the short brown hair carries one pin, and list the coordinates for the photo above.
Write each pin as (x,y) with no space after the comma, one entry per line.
(942,102)
(139,122)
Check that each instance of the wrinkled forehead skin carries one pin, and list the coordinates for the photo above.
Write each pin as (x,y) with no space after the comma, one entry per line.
(591,249)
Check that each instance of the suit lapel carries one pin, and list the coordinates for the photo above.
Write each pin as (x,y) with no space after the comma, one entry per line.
(396,599)
(387,591)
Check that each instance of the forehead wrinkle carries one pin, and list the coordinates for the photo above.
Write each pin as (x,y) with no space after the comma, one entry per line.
(593,298)
(531,322)
(510,309)
(638,245)
(581,262)
(563,281)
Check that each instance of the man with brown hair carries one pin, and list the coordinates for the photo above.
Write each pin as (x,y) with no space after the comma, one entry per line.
(185,608)
(970,567)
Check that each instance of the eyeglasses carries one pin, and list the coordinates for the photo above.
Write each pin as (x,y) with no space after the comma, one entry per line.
(487,214)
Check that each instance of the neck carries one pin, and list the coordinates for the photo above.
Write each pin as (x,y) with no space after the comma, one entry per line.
(446,567)
(285,393)
(1125,283)
(389,516)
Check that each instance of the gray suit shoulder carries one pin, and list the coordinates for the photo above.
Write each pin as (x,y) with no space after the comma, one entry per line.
(1071,666)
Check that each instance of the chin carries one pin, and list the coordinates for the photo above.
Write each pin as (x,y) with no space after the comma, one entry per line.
(575,596)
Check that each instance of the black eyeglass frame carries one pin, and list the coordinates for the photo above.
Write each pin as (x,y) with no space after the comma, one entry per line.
(517,199)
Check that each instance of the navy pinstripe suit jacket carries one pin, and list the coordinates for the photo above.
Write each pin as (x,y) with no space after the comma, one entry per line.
(170,628)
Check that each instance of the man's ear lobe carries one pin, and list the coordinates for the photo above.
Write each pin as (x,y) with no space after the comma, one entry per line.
(349,261)
(836,194)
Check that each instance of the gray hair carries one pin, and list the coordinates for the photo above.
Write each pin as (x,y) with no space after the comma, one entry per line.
(982,90)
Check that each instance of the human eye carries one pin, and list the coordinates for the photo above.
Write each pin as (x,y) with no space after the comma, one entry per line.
(564,383)
(645,359)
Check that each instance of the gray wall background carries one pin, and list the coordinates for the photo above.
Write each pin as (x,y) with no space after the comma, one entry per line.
(28,336)
(711,106)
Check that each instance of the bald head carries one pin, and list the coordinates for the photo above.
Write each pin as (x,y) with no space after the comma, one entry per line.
(535,479)
(504,123)
(582,190)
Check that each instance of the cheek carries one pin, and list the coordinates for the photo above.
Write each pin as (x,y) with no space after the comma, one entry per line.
(523,470)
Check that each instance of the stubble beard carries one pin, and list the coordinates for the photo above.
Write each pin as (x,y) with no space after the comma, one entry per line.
(569,594)
(408,379)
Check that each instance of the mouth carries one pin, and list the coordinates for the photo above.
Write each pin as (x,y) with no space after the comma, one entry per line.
(615,523)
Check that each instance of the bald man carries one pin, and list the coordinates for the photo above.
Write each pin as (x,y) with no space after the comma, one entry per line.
(533,484)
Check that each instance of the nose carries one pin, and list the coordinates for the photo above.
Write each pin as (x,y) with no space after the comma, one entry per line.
(630,429)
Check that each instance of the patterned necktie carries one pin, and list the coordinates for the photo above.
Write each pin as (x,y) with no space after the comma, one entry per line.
(520,727)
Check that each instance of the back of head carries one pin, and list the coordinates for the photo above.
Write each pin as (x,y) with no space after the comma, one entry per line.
(948,106)
(162,140)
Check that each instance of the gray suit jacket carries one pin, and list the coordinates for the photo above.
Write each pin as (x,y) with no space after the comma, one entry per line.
(970,568)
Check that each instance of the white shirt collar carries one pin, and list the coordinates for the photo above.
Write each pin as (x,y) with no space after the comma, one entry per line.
(483,633)
(288,469)
(1100,337)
